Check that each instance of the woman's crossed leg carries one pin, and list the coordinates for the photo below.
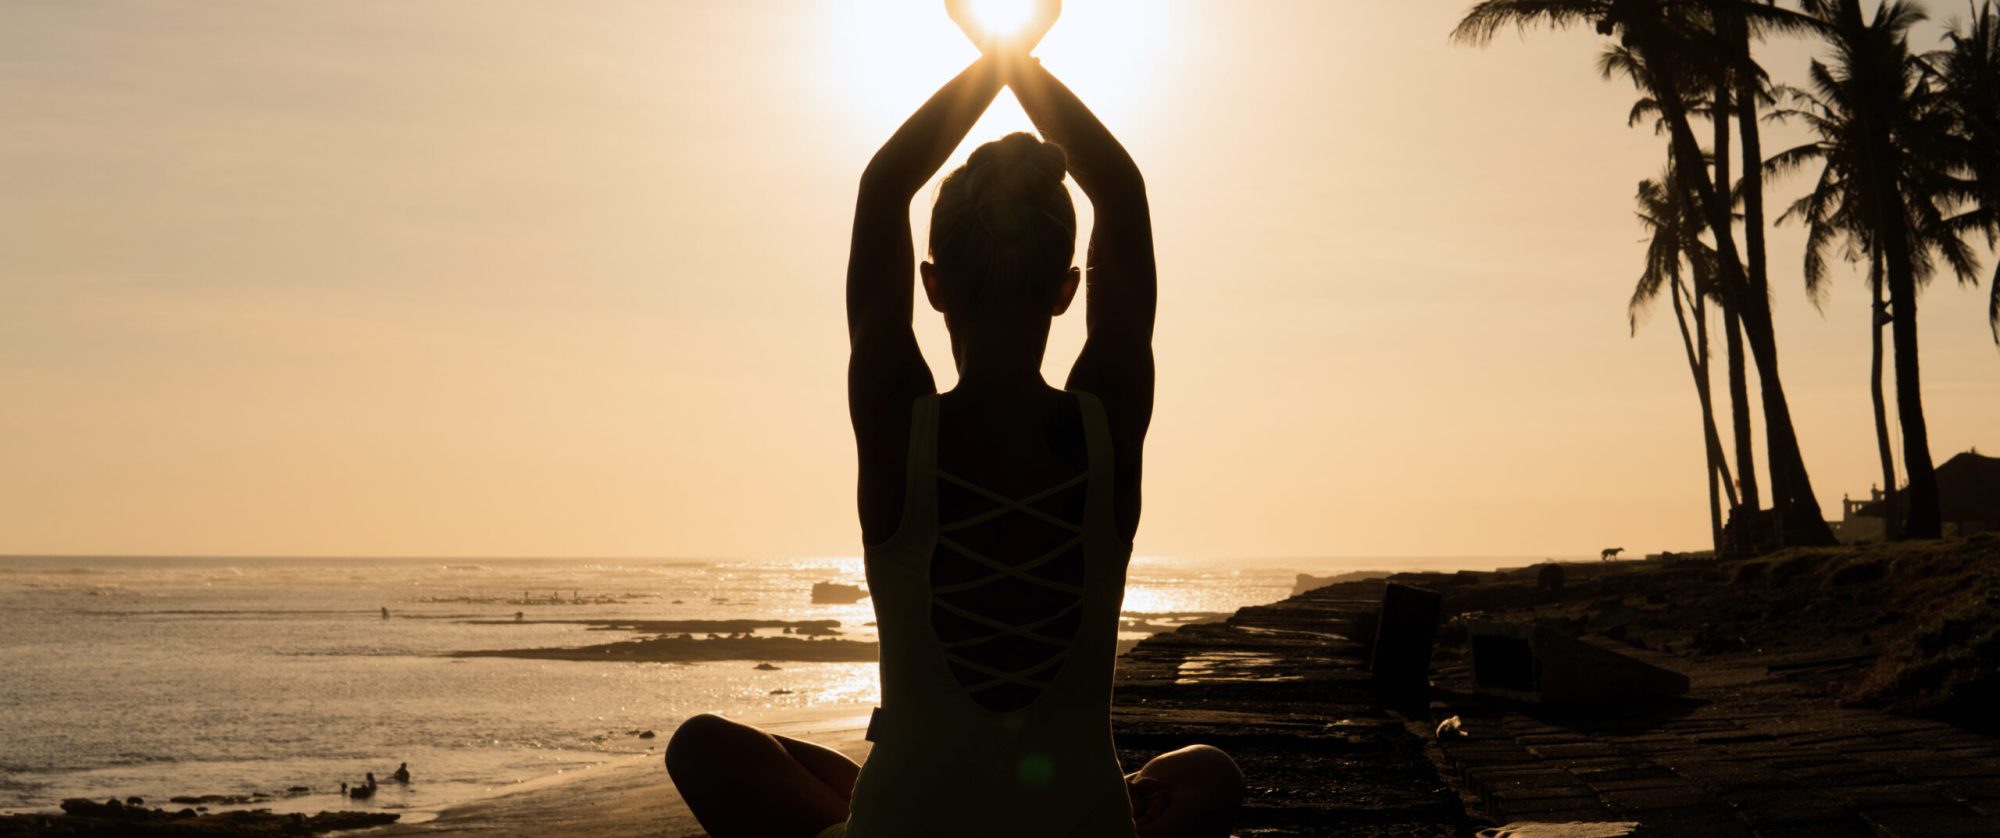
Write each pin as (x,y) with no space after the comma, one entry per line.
(741,781)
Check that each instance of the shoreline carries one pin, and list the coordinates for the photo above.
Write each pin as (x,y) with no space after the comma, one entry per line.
(627,796)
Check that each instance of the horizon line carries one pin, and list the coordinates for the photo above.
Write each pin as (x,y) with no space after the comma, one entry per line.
(503,558)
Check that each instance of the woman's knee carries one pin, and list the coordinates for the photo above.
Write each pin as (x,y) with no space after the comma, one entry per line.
(697,741)
(1200,789)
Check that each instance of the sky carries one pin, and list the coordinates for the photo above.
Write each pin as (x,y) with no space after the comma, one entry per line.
(509,278)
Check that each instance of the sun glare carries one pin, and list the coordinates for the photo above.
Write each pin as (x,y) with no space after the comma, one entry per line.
(887,56)
(1003,17)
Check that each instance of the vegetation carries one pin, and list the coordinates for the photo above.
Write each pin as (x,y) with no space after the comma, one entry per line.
(1909,149)
(1949,668)
(1967,80)
(1888,180)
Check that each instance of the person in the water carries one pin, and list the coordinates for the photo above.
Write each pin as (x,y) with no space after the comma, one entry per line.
(997,518)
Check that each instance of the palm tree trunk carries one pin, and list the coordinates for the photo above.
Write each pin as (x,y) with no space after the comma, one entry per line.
(1707,391)
(1753,243)
(1711,444)
(1719,124)
(1921,499)
(1739,410)
(1891,518)
(1697,355)
(1804,524)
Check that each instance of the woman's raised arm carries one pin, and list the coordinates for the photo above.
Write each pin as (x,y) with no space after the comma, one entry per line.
(884,362)
(1117,359)
(885,370)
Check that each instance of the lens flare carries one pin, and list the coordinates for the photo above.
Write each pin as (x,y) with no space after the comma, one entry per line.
(1003,17)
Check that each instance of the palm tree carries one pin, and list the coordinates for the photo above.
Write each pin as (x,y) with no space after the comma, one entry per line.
(1666,210)
(1888,175)
(1676,240)
(1739,86)
(1968,80)
(1828,217)
(1749,85)
(1672,36)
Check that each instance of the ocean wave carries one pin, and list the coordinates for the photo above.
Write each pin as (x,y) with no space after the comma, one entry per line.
(135,759)
(55,583)
(354,652)
(223,612)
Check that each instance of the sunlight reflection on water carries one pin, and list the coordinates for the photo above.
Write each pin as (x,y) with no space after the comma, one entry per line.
(162,677)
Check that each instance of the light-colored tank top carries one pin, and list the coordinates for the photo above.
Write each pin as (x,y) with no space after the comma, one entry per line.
(946,765)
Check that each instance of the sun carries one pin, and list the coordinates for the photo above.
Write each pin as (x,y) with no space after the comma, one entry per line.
(880,59)
(1003,18)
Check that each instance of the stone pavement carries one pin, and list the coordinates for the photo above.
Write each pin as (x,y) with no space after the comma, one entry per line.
(1284,689)
(1758,747)
(1753,749)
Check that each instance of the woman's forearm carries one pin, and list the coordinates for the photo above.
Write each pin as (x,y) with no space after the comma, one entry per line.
(1101,166)
(926,140)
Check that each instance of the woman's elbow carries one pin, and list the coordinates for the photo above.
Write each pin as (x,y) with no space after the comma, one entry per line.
(882,179)
(1121,183)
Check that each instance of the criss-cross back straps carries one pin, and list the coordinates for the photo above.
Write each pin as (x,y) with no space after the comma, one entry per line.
(1027,630)
(996,677)
(1007,504)
(1003,571)
(1000,570)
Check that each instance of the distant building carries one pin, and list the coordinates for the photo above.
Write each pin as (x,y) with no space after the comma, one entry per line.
(1858,526)
(1968,497)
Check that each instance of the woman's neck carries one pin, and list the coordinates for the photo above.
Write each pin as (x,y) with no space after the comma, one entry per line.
(1007,363)
(1005,383)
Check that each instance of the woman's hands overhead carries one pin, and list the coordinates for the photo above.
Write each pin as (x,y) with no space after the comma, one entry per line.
(1004,26)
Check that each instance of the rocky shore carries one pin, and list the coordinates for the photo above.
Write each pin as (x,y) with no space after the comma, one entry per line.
(691,641)
(119,819)
(691,649)
(1842,691)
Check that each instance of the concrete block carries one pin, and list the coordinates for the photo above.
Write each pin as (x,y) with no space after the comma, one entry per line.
(1536,663)
(1405,637)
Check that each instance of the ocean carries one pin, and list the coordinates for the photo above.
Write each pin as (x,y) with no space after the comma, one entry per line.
(163,677)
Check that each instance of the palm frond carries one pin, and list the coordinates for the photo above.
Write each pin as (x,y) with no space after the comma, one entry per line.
(1487,18)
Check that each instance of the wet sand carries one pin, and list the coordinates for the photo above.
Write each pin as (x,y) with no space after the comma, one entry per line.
(690,650)
(628,797)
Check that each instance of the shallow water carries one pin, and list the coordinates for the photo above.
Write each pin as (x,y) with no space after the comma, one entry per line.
(184,676)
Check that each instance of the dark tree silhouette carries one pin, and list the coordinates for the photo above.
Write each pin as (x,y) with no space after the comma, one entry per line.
(1888,177)
(1968,87)
(1748,83)
(1676,41)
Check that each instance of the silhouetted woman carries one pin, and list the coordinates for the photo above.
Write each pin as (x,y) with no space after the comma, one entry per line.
(998,517)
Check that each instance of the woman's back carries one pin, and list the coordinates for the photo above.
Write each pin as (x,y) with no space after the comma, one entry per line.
(998,613)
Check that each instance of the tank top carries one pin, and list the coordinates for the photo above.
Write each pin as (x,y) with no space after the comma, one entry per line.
(945,764)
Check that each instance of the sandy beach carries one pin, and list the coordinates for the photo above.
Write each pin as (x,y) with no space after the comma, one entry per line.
(627,797)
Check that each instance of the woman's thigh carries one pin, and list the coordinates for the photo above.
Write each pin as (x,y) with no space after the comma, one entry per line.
(741,781)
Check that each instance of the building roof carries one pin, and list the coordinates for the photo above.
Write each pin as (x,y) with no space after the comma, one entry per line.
(1968,489)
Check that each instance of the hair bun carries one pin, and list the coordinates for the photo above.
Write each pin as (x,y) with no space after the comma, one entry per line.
(1003,224)
(1018,165)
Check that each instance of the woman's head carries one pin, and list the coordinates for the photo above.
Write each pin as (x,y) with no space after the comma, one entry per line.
(1003,233)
